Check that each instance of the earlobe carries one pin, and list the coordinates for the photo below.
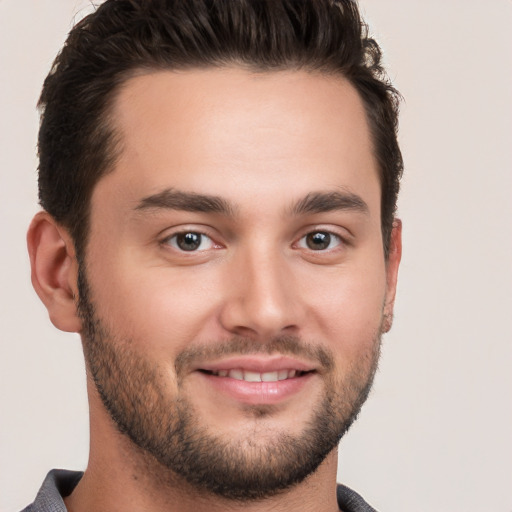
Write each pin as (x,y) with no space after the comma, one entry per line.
(392,265)
(54,270)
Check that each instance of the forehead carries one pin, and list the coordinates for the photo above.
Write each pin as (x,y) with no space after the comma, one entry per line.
(226,130)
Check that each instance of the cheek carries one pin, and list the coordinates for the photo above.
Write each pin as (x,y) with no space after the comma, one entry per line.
(160,308)
(347,307)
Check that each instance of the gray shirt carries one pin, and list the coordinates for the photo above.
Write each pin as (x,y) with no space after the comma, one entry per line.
(60,483)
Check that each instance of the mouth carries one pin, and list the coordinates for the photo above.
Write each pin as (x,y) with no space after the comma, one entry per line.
(258,380)
(254,376)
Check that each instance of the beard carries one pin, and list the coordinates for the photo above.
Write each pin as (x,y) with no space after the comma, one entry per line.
(167,429)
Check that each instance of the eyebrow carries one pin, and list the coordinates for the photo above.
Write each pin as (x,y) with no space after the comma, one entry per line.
(314,202)
(321,202)
(170,199)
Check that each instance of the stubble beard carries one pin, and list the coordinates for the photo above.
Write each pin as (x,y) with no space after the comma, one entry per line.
(167,430)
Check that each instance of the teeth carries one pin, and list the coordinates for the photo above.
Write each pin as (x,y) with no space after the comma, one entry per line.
(248,376)
(236,374)
(252,376)
(282,374)
(270,377)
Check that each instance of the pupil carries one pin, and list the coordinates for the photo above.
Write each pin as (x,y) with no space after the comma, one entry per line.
(189,241)
(318,241)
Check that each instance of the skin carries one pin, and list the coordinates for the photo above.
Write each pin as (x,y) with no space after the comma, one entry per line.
(262,143)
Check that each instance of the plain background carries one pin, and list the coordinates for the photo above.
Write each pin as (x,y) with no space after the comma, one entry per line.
(436,432)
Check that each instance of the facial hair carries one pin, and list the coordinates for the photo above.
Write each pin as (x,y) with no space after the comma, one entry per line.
(168,428)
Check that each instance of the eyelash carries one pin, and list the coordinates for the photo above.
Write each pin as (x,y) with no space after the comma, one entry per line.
(323,236)
(174,241)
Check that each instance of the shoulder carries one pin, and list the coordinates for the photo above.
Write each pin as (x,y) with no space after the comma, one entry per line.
(58,484)
(350,501)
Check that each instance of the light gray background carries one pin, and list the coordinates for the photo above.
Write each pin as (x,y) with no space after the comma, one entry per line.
(436,432)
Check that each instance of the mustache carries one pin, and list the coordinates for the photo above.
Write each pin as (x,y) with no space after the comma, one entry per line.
(236,346)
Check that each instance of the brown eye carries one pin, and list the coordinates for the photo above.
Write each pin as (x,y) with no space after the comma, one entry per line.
(190,241)
(320,241)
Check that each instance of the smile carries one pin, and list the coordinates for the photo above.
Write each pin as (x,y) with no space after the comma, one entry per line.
(258,380)
(252,376)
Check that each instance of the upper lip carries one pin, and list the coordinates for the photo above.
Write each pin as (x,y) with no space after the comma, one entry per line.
(261,364)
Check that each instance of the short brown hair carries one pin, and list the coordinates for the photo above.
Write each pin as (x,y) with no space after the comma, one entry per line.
(77,142)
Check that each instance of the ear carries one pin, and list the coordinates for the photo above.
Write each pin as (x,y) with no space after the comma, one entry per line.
(392,264)
(54,270)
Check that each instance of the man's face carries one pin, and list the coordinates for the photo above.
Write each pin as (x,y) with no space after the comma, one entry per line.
(235,284)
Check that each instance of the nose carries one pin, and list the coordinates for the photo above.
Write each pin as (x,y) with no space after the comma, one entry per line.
(262,299)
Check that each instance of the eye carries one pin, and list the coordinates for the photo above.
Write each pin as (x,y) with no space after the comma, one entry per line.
(190,241)
(320,241)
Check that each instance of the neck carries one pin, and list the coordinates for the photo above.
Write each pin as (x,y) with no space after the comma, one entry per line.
(122,477)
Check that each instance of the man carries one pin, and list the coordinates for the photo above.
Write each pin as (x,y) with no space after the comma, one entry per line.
(219,183)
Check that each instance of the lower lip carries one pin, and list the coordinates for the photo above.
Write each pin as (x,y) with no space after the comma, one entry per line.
(258,393)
